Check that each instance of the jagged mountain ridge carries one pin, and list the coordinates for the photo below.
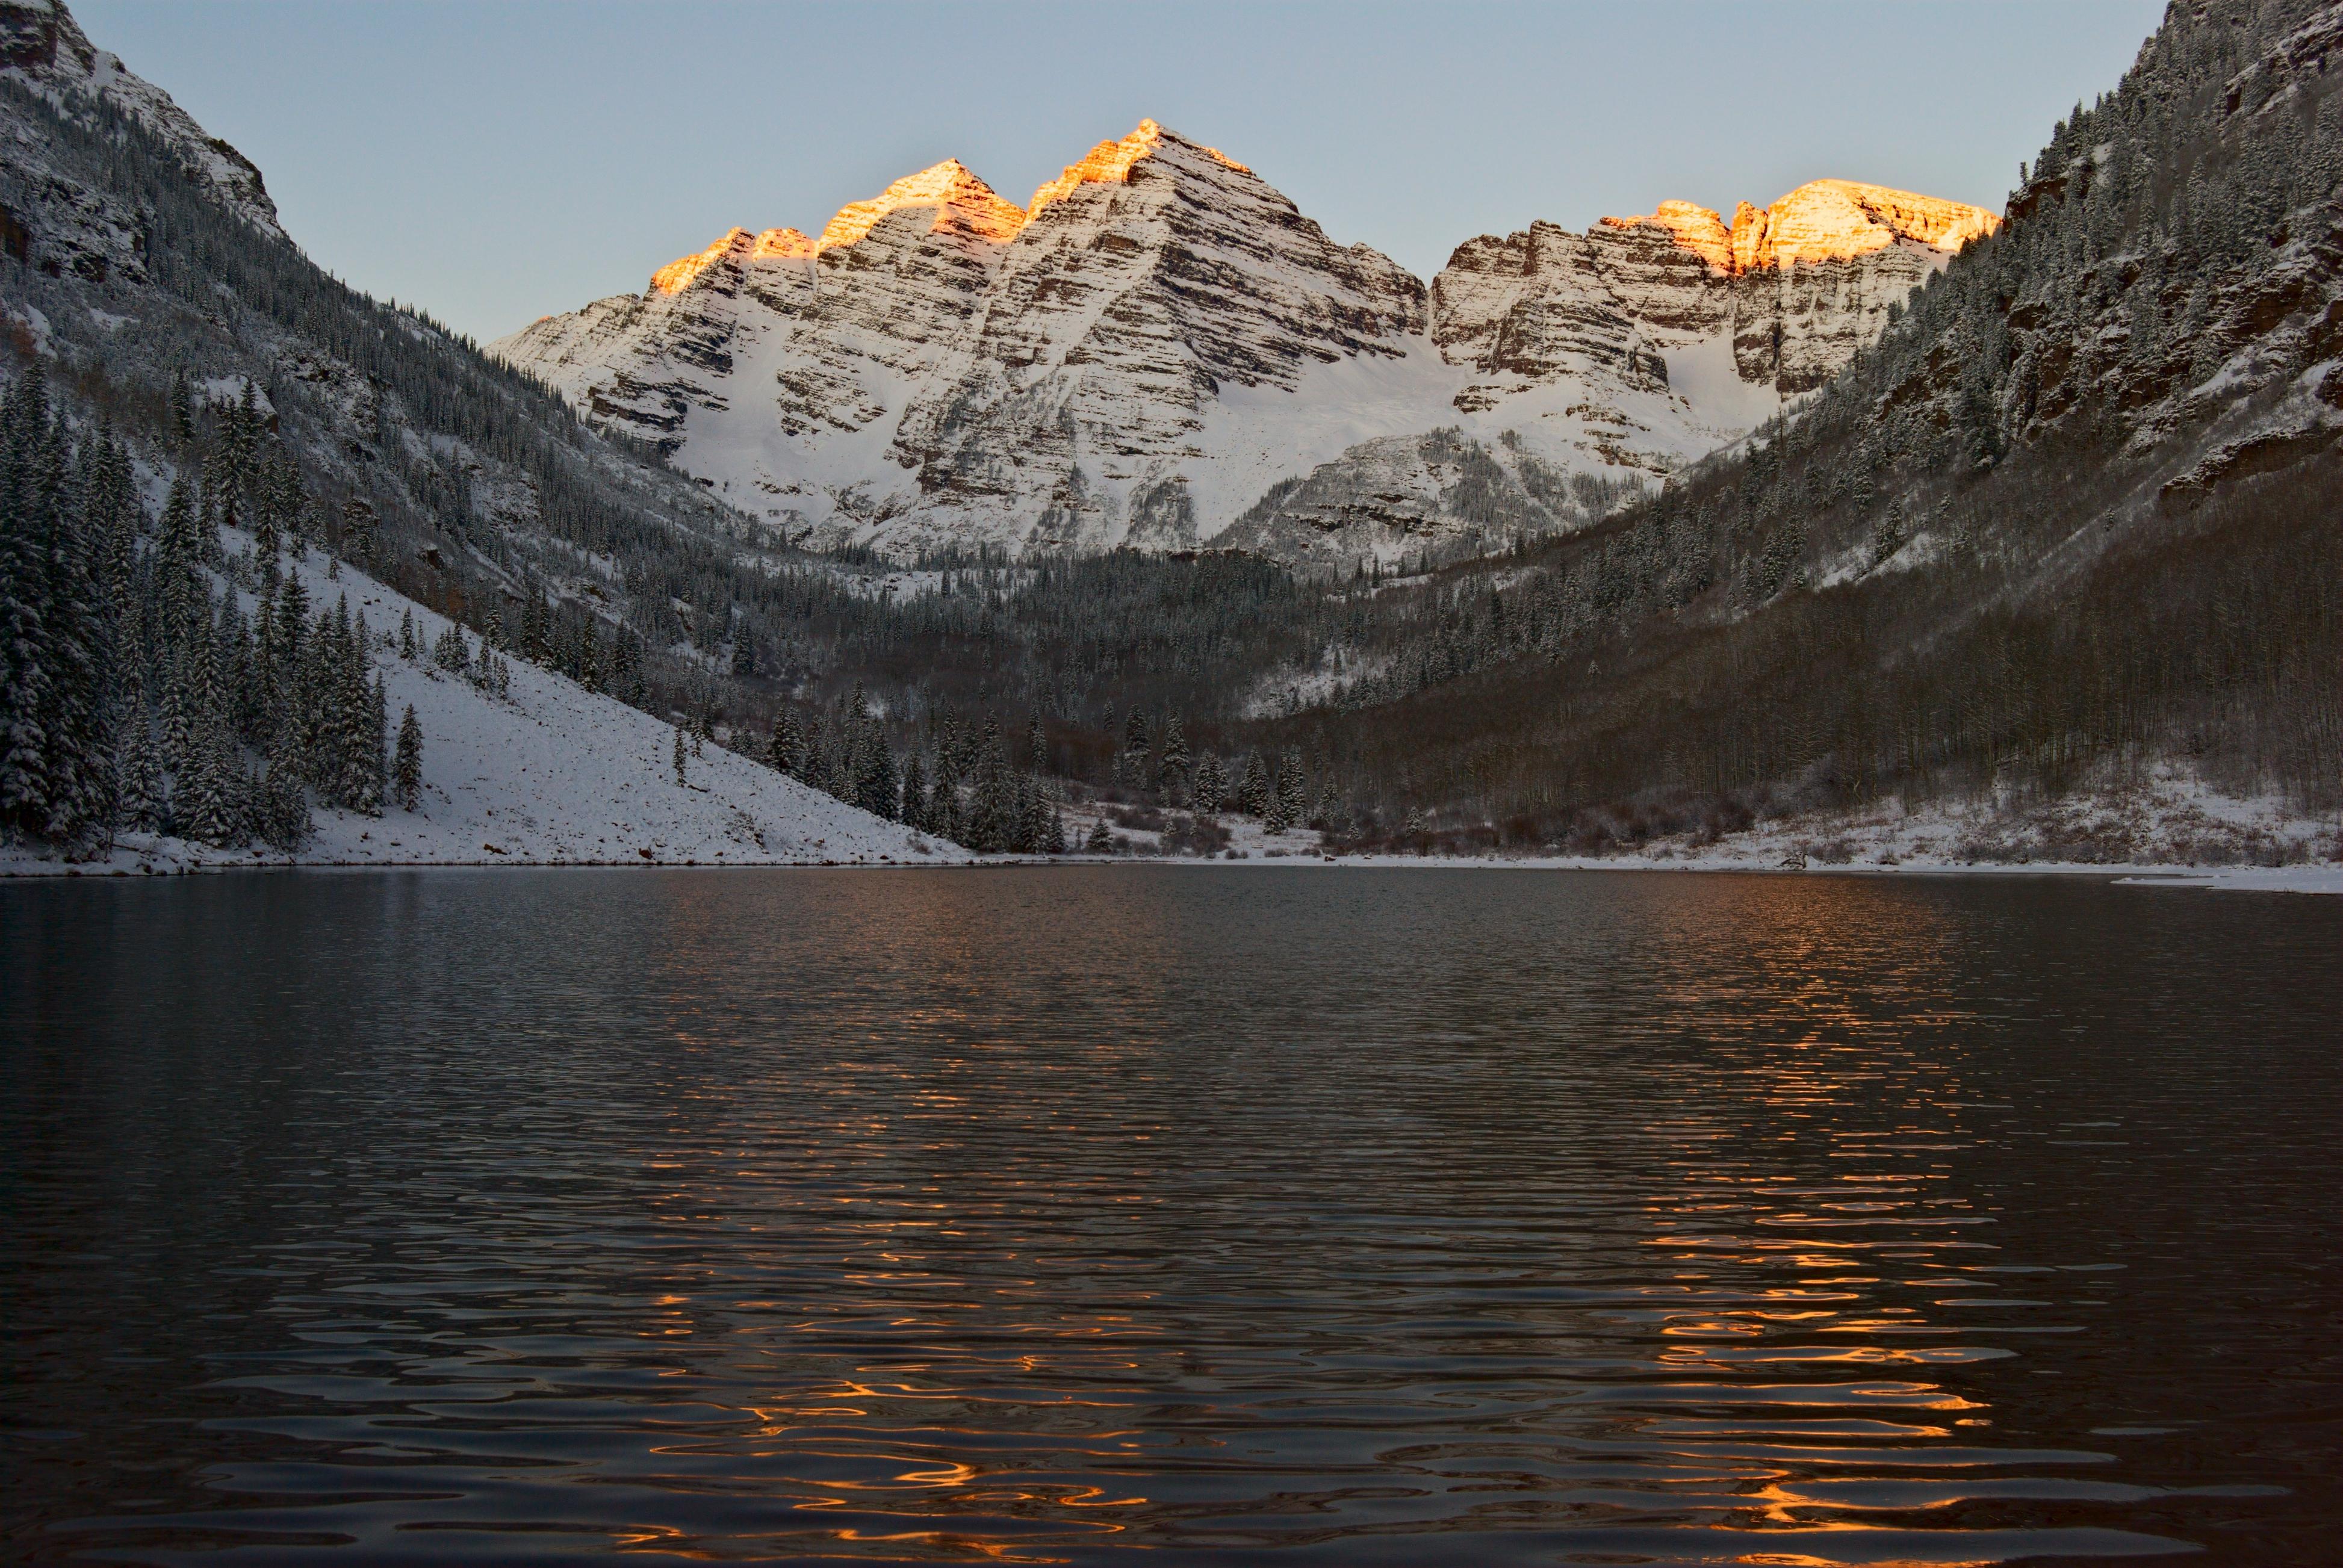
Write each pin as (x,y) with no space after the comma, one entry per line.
(1160,340)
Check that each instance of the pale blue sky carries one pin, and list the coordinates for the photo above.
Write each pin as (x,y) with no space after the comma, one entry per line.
(496,160)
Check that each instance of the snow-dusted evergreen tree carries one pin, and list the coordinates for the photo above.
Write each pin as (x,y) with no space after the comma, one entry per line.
(1172,760)
(785,752)
(378,762)
(141,804)
(452,652)
(1292,791)
(915,794)
(1253,791)
(406,771)
(30,496)
(1211,783)
(1132,764)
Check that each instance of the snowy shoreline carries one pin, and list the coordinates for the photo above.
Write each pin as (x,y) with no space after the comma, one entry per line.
(542,773)
(2297,879)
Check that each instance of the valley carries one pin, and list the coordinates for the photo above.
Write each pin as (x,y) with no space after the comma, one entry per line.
(1146,507)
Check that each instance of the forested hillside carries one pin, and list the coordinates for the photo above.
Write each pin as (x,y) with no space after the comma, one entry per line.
(2078,510)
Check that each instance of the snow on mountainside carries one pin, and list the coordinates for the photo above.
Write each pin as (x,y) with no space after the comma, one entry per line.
(42,47)
(547,774)
(1160,345)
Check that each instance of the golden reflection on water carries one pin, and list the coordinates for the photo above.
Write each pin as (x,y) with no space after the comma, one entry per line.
(1021,1218)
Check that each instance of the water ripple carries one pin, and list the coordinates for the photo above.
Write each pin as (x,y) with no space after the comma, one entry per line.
(1040,1217)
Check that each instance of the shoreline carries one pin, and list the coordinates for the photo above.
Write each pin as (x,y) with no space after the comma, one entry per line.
(2309,877)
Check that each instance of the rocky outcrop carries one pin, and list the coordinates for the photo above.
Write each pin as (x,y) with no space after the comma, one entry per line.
(1159,338)
(43,48)
(1795,289)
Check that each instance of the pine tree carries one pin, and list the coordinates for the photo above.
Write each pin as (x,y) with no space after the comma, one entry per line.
(143,808)
(1292,791)
(203,801)
(915,794)
(282,808)
(183,411)
(787,750)
(1253,791)
(1171,762)
(679,779)
(1211,783)
(377,770)
(1132,764)
(406,771)
(1099,841)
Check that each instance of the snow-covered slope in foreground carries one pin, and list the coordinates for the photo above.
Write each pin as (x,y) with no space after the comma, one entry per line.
(551,774)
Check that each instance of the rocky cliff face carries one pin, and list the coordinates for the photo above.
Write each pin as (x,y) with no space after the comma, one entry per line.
(1158,345)
(43,48)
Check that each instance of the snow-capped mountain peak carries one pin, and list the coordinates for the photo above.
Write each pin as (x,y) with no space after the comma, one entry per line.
(1111,162)
(1837,220)
(959,201)
(1160,338)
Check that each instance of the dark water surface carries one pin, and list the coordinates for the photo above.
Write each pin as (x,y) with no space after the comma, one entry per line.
(1350,1217)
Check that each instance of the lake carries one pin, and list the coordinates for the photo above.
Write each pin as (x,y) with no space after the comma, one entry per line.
(1247,1214)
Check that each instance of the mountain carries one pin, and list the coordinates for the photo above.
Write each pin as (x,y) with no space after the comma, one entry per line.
(2058,549)
(1159,350)
(43,48)
(199,417)
(2059,524)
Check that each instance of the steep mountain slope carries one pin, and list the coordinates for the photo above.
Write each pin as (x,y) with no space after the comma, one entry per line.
(1622,352)
(43,48)
(142,263)
(147,287)
(2069,524)
(1160,340)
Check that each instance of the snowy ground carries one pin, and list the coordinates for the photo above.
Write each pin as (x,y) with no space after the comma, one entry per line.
(550,775)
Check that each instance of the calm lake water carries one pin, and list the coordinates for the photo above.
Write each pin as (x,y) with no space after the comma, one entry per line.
(1237,1215)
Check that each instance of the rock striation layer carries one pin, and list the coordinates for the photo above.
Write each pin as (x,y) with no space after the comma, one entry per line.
(1159,345)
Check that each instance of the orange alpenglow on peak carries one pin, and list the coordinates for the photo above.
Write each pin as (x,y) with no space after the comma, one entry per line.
(677,275)
(1109,163)
(1824,220)
(961,200)
(1694,227)
(782,244)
